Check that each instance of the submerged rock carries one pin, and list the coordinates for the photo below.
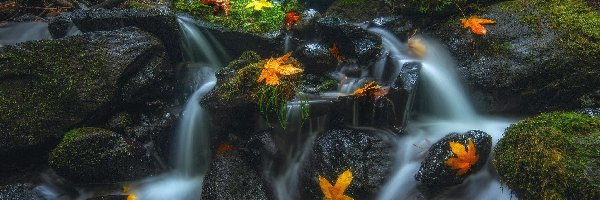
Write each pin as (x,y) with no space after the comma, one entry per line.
(369,155)
(94,155)
(435,174)
(230,177)
(551,156)
(539,56)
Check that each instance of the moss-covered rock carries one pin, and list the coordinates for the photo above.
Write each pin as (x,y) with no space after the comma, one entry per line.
(551,156)
(50,86)
(94,155)
(539,56)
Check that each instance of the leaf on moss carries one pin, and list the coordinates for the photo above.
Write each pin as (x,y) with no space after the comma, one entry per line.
(476,24)
(465,158)
(218,6)
(336,192)
(259,4)
(276,67)
(290,19)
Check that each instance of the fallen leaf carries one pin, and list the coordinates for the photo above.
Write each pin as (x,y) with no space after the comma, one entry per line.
(224,148)
(276,67)
(476,24)
(259,4)
(336,52)
(465,158)
(370,89)
(218,6)
(336,192)
(290,19)
(131,197)
(416,48)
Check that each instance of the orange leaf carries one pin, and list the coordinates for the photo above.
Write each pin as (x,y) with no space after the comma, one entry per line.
(290,19)
(224,148)
(336,52)
(275,67)
(465,158)
(336,192)
(370,89)
(476,24)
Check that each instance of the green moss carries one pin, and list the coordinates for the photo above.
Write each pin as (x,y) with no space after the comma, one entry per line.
(40,82)
(434,6)
(546,157)
(352,2)
(241,18)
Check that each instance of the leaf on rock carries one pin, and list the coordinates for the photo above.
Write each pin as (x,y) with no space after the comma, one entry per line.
(476,24)
(416,48)
(370,89)
(276,67)
(131,197)
(259,4)
(465,158)
(336,52)
(336,192)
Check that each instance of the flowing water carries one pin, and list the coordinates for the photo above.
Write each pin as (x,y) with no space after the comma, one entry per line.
(444,108)
(191,150)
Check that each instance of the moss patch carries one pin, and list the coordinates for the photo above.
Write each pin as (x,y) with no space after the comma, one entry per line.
(241,18)
(41,82)
(550,156)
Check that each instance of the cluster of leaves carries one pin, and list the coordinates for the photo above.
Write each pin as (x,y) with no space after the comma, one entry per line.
(549,156)
(336,192)
(465,158)
(242,17)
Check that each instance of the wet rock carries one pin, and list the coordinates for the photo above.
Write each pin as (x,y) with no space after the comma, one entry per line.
(435,174)
(551,156)
(595,112)
(76,80)
(305,28)
(316,57)
(363,10)
(161,23)
(230,177)
(526,61)
(19,191)
(320,5)
(352,41)
(369,155)
(94,155)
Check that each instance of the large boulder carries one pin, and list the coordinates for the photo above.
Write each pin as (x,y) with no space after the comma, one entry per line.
(231,177)
(436,173)
(50,86)
(539,56)
(18,191)
(551,156)
(369,155)
(161,23)
(94,155)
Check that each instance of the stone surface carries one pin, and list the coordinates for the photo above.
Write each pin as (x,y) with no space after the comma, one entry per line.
(369,155)
(94,155)
(230,177)
(19,191)
(436,174)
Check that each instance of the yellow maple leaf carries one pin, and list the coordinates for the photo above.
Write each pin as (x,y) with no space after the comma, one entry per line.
(131,197)
(275,67)
(336,192)
(476,24)
(370,88)
(465,158)
(259,4)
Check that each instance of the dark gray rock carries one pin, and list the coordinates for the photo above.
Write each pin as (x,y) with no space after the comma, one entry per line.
(51,86)
(352,41)
(315,57)
(523,64)
(320,5)
(436,174)
(230,177)
(19,191)
(590,111)
(369,155)
(94,155)
(161,23)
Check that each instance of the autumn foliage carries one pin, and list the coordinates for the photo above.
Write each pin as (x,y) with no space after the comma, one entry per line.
(465,158)
(476,24)
(277,67)
(336,192)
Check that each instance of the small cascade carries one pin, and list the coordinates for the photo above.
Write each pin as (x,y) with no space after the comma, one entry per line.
(22,32)
(448,110)
(395,53)
(287,42)
(191,147)
(200,46)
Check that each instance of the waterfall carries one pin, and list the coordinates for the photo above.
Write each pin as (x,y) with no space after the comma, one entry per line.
(448,110)
(287,42)
(191,148)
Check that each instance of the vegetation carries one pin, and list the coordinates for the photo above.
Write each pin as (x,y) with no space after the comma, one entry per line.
(551,156)
(242,18)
